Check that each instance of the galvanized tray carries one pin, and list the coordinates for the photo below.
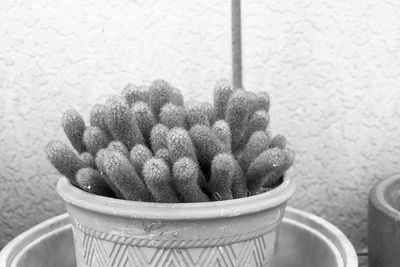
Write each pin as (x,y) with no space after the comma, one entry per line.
(305,240)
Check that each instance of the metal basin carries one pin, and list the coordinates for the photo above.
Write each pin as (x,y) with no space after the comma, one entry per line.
(304,240)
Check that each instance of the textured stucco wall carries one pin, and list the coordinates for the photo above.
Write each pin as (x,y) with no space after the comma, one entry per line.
(331,67)
(333,71)
(56,55)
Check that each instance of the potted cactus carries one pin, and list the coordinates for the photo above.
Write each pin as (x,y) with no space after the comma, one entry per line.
(155,181)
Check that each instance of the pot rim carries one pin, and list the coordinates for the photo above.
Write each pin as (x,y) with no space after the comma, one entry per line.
(175,211)
(378,195)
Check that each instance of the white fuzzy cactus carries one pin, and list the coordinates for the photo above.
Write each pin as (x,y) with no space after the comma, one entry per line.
(148,145)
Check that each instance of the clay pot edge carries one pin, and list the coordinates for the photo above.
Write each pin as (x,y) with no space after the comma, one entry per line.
(175,211)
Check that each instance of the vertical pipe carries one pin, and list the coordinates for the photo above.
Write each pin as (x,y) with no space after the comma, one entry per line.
(236,45)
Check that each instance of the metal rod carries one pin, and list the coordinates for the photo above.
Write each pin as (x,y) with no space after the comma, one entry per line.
(236,45)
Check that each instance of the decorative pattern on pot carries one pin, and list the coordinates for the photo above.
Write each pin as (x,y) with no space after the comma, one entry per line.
(146,242)
(96,251)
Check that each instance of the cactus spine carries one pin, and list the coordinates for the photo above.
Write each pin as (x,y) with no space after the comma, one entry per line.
(118,147)
(176,97)
(91,181)
(209,109)
(132,94)
(239,186)
(95,139)
(272,178)
(196,114)
(222,92)
(263,102)
(185,180)
(64,159)
(278,141)
(172,116)
(87,159)
(123,177)
(98,118)
(258,122)
(138,156)
(266,163)
(74,127)
(158,137)
(164,155)
(222,174)
(258,143)
(180,145)
(160,94)
(144,118)
(223,133)
(207,145)
(236,116)
(122,123)
(158,179)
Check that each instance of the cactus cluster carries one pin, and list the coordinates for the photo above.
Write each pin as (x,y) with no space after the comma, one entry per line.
(148,145)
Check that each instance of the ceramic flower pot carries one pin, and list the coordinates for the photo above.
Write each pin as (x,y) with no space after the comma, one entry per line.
(112,232)
(384,223)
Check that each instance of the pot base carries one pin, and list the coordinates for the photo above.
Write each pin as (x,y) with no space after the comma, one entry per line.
(304,240)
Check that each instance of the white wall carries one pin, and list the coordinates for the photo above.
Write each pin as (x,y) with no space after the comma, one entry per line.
(56,55)
(332,69)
